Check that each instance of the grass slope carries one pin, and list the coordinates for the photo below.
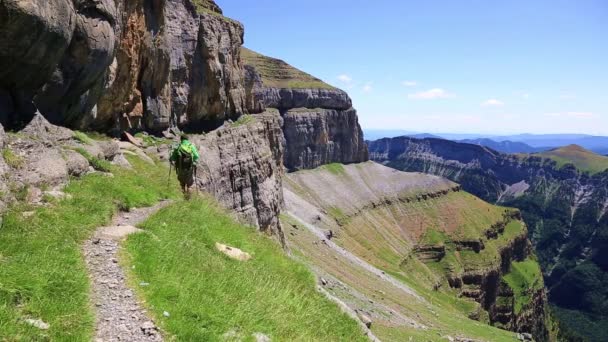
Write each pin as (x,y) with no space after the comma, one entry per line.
(583,159)
(208,294)
(42,272)
(278,74)
(524,278)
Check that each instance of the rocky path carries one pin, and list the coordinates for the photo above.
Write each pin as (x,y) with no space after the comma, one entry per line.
(120,317)
(356,260)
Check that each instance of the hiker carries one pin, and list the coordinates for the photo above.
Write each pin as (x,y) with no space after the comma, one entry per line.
(184,157)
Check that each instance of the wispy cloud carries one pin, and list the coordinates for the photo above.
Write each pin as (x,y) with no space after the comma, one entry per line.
(492,103)
(367,88)
(345,78)
(577,115)
(409,83)
(435,93)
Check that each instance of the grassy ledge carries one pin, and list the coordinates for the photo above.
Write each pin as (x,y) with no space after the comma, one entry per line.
(208,295)
(42,272)
(525,278)
(278,74)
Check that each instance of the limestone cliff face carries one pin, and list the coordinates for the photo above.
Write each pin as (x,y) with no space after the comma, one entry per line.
(242,168)
(116,65)
(315,137)
(564,207)
(320,124)
(120,64)
(174,66)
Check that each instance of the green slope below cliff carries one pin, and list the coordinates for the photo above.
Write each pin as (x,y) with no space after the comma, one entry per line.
(450,247)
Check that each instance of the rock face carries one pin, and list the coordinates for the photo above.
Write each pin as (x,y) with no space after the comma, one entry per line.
(315,137)
(141,65)
(242,168)
(407,222)
(120,64)
(564,208)
(320,124)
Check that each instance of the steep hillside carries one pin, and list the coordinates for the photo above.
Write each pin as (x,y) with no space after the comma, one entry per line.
(445,245)
(276,73)
(563,206)
(158,68)
(581,158)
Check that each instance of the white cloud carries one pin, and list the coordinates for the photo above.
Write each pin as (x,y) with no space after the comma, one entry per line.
(345,78)
(367,88)
(435,93)
(492,103)
(576,115)
(409,83)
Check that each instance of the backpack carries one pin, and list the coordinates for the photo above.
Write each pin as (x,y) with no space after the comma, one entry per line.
(185,158)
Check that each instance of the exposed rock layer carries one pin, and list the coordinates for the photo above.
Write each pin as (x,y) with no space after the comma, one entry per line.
(564,208)
(242,169)
(124,64)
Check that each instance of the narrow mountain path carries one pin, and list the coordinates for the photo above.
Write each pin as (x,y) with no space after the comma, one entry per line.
(356,260)
(120,316)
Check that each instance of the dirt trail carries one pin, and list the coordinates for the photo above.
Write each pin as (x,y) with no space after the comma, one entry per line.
(120,316)
(356,260)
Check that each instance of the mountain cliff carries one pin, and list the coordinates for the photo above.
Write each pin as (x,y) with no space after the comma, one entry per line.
(448,245)
(151,66)
(164,66)
(562,195)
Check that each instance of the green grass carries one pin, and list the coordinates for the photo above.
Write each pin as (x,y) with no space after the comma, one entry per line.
(208,294)
(83,138)
(335,169)
(524,278)
(581,158)
(278,74)
(96,163)
(42,273)
(433,237)
(244,120)
(150,140)
(11,159)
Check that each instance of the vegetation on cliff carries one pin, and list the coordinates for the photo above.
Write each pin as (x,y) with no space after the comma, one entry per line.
(561,195)
(276,73)
(581,158)
(450,247)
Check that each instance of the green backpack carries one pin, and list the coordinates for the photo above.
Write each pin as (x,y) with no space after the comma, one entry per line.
(185,157)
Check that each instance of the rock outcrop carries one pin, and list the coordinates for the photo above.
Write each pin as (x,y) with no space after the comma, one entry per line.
(320,124)
(120,64)
(428,231)
(243,169)
(564,207)
(140,65)
(315,137)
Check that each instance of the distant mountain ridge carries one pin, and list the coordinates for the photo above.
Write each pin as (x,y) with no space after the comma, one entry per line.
(540,142)
(506,146)
(563,196)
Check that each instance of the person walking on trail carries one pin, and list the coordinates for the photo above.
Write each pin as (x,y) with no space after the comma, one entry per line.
(184,157)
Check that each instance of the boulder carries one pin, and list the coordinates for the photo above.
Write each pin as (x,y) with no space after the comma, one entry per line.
(232,252)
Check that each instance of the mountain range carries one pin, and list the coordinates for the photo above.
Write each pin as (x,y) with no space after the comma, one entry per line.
(507,143)
(563,196)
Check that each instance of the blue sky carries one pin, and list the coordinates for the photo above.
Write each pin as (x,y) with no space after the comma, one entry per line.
(447,66)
